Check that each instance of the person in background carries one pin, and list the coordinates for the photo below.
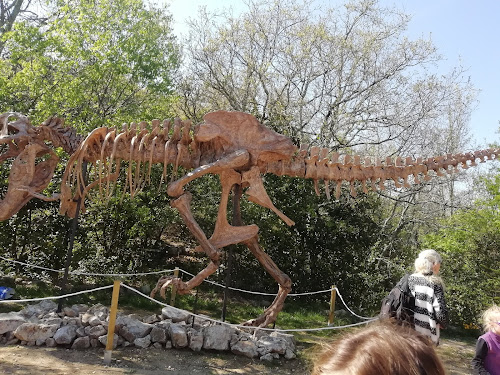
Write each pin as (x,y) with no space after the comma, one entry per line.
(431,313)
(487,358)
(381,348)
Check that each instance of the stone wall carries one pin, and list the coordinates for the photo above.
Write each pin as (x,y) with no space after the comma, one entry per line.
(81,327)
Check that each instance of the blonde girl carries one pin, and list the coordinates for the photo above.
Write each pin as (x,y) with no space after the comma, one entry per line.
(487,358)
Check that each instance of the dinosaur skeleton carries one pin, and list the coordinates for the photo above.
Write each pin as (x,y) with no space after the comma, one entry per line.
(232,145)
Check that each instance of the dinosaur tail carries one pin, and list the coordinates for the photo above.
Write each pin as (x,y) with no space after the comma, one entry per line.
(323,165)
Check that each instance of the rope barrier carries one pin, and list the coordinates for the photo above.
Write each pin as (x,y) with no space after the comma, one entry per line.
(289,295)
(77,273)
(192,275)
(243,326)
(120,274)
(55,297)
(352,312)
(257,293)
(30,265)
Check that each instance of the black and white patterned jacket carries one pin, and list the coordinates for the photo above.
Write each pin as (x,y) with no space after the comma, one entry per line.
(430,306)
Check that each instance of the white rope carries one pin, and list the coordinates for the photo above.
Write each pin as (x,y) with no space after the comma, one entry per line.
(352,312)
(29,265)
(120,274)
(290,295)
(257,293)
(190,274)
(243,326)
(55,297)
(78,273)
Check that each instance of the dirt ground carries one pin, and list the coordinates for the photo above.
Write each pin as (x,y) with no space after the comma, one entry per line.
(58,361)
(457,355)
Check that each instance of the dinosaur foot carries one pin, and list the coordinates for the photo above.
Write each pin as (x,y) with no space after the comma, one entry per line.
(267,318)
(165,281)
(271,313)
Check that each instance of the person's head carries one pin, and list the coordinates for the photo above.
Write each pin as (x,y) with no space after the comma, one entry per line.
(428,262)
(491,319)
(380,348)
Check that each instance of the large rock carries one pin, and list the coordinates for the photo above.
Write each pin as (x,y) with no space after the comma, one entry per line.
(100,311)
(95,332)
(80,308)
(85,317)
(290,339)
(68,311)
(81,343)
(40,309)
(178,336)
(94,321)
(246,348)
(159,334)
(65,335)
(195,339)
(34,332)
(143,342)
(117,341)
(131,329)
(104,340)
(217,337)
(269,344)
(10,321)
(169,312)
(54,321)
(50,342)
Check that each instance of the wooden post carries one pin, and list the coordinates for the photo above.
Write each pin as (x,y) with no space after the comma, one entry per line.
(174,289)
(112,321)
(332,305)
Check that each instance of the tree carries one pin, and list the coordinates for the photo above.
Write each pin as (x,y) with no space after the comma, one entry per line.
(344,78)
(93,63)
(10,12)
(469,241)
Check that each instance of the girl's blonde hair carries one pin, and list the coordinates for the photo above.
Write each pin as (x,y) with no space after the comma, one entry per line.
(490,318)
(425,262)
(381,348)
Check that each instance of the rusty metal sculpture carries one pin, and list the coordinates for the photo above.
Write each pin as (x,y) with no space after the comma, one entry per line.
(232,145)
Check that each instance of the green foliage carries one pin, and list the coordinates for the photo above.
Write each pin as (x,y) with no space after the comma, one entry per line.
(93,63)
(469,242)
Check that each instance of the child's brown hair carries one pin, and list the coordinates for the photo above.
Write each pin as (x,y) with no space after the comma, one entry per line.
(381,348)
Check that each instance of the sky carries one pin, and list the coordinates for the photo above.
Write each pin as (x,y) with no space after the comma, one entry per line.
(465,32)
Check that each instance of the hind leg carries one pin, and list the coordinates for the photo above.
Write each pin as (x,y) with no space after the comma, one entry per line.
(284,282)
